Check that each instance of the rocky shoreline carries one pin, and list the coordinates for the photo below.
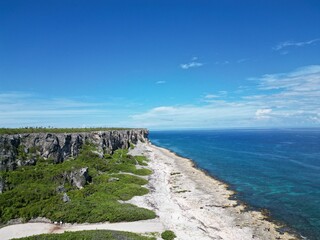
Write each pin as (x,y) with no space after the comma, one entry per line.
(196,206)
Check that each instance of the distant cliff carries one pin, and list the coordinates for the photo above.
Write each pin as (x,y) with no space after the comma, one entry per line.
(25,149)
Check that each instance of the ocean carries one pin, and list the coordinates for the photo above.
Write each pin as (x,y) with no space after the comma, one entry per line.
(277,170)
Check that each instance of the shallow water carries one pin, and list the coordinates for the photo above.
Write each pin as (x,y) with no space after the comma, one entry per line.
(274,169)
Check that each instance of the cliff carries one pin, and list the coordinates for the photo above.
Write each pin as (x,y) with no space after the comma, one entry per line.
(25,149)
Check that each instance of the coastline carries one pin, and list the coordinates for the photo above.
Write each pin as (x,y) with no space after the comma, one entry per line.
(186,200)
(194,204)
(246,206)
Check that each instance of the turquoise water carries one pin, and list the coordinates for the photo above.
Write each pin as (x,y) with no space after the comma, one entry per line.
(274,169)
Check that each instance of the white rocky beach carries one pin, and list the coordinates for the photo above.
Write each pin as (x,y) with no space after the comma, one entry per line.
(186,201)
(196,206)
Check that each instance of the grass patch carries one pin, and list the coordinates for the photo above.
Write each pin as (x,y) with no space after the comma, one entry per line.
(33,191)
(90,235)
(122,162)
(142,160)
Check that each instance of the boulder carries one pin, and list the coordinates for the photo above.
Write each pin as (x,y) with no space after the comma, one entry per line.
(2,185)
(60,189)
(65,198)
(79,178)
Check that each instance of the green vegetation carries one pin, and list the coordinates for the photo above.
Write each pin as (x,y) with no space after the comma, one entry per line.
(54,130)
(142,160)
(37,191)
(168,235)
(90,235)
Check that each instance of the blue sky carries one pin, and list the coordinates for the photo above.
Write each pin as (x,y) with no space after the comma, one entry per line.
(160,64)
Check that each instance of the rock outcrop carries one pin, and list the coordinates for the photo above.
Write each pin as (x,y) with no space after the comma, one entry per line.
(66,198)
(78,177)
(2,185)
(23,149)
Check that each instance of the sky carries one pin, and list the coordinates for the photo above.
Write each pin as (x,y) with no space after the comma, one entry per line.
(160,64)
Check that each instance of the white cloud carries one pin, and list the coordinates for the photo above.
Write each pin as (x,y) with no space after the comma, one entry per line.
(210,96)
(260,112)
(223,92)
(302,79)
(222,62)
(281,99)
(193,64)
(188,116)
(263,113)
(285,99)
(294,44)
(19,109)
(160,82)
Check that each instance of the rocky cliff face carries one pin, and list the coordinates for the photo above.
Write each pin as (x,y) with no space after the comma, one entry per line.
(24,149)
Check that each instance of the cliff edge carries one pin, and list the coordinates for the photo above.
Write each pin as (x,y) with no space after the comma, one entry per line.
(26,149)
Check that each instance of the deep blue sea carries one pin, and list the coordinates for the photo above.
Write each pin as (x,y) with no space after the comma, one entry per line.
(274,169)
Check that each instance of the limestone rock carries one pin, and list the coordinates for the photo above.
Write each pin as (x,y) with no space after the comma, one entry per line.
(60,146)
(79,177)
(28,162)
(113,179)
(60,189)
(98,153)
(65,198)
(2,185)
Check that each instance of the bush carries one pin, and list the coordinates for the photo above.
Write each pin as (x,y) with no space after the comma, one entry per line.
(90,235)
(142,160)
(31,191)
(168,235)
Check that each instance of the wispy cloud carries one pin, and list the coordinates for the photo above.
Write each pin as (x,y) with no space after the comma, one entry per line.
(286,44)
(214,97)
(263,113)
(210,96)
(27,109)
(160,82)
(282,99)
(277,99)
(302,79)
(193,64)
(242,60)
(187,116)
(225,62)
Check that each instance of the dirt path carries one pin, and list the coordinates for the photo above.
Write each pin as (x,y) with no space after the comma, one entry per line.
(29,229)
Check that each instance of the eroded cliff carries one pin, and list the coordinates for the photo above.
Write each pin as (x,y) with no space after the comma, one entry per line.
(26,149)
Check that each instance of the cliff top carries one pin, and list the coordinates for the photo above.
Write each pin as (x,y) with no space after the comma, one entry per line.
(57,130)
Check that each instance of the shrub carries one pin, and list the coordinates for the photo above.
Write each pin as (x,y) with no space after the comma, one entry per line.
(31,191)
(90,235)
(141,160)
(168,235)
